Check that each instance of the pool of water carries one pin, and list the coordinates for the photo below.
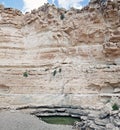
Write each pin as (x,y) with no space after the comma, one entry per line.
(60,120)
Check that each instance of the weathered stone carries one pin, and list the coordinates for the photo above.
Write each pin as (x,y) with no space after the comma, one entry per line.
(93,115)
(117,128)
(50,114)
(65,60)
(117,90)
(101,122)
(115,112)
(119,115)
(110,126)
(77,112)
(84,118)
(78,125)
(61,110)
(117,122)
(75,115)
(95,127)
(104,115)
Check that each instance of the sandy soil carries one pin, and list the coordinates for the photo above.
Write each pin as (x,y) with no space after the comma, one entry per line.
(20,121)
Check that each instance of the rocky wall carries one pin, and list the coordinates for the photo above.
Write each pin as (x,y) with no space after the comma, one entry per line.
(71,62)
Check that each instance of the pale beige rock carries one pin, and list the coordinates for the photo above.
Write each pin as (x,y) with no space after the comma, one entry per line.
(74,61)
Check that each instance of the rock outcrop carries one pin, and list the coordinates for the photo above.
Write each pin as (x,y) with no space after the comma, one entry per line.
(89,119)
(54,61)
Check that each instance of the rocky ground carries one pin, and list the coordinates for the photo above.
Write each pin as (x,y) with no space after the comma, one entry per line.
(90,119)
(107,118)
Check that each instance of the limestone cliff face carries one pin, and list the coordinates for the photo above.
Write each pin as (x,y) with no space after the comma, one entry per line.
(74,61)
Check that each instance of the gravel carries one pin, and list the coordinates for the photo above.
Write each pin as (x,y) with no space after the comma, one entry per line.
(20,121)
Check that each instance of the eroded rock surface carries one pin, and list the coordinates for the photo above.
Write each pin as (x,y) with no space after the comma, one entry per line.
(69,62)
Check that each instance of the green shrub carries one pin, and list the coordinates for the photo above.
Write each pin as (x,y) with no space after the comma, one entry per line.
(54,73)
(60,70)
(62,16)
(115,106)
(25,74)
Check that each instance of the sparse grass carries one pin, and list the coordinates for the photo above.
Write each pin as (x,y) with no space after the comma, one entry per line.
(60,120)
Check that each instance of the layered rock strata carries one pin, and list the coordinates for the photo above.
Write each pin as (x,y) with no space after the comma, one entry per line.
(46,60)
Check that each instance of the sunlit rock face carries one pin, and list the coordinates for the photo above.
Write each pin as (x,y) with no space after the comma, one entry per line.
(74,61)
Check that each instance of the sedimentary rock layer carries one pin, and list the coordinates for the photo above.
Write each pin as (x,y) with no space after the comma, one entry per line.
(46,60)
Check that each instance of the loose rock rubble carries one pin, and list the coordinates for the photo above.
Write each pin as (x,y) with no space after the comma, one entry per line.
(100,121)
(90,119)
(107,118)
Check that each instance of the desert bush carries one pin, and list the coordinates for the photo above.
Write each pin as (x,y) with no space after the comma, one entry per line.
(60,70)
(115,106)
(54,72)
(62,16)
(25,74)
